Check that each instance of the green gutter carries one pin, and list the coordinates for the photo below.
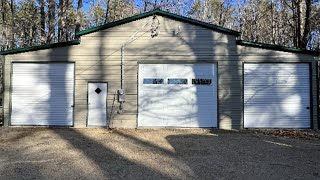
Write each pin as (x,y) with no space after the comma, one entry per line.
(162,13)
(39,47)
(276,47)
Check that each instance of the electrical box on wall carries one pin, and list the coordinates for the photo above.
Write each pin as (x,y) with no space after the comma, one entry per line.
(121,95)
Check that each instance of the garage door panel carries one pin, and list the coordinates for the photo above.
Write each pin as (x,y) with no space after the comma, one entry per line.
(148,107)
(155,69)
(180,103)
(294,110)
(203,100)
(280,90)
(191,104)
(252,86)
(275,81)
(42,94)
(276,95)
(176,93)
(258,98)
(265,122)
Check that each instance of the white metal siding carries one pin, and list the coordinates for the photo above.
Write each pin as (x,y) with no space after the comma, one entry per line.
(42,94)
(276,95)
(177,105)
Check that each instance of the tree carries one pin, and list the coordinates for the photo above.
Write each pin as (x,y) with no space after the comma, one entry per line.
(61,22)
(306,31)
(79,18)
(4,23)
(107,12)
(293,23)
(217,12)
(12,44)
(42,21)
(51,19)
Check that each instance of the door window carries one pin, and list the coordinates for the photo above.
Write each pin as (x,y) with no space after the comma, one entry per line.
(152,81)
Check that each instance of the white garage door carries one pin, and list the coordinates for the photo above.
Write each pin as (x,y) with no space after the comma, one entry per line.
(42,94)
(276,95)
(177,95)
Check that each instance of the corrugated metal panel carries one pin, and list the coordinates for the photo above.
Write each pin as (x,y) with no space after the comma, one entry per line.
(276,95)
(169,97)
(42,94)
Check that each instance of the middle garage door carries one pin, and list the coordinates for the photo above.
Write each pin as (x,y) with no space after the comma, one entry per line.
(177,95)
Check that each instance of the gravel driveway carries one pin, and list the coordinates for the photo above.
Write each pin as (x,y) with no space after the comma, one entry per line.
(41,153)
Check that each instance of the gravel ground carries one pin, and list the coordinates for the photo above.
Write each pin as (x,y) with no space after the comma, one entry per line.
(42,153)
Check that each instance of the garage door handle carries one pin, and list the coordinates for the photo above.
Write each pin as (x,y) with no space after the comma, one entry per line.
(307,107)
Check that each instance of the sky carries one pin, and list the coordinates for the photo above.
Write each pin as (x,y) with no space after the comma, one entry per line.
(139,3)
(86,4)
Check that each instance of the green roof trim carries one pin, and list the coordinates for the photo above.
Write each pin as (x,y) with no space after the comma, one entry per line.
(276,47)
(39,47)
(162,13)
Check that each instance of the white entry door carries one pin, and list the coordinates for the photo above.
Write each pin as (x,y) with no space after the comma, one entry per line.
(97,104)
(177,95)
(276,95)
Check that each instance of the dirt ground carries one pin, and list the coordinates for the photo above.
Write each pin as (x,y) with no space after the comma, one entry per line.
(53,153)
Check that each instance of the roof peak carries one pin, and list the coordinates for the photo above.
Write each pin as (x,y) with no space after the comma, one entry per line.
(162,13)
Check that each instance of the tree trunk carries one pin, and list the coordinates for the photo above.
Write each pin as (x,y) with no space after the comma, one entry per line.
(239,16)
(65,25)
(306,25)
(79,9)
(42,22)
(295,23)
(221,15)
(298,22)
(34,30)
(155,5)
(145,6)
(4,34)
(51,17)
(272,23)
(25,34)
(60,21)
(12,44)
(107,12)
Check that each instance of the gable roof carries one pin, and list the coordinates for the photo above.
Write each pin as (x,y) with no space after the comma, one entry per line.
(165,14)
(161,13)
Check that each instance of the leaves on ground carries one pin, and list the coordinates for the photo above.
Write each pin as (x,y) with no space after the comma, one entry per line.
(303,134)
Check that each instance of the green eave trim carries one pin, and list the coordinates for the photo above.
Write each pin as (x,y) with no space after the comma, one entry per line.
(39,47)
(276,47)
(162,13)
